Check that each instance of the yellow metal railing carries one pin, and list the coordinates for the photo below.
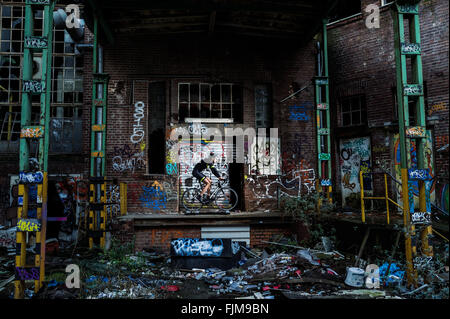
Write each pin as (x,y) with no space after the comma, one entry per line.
(385,197)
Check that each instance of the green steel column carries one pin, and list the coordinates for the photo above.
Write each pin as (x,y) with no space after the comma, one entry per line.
(420,121)
(403,118)
(43,44)
(405,50)
(27,73)
(94,95)
(47,58)
(322,99)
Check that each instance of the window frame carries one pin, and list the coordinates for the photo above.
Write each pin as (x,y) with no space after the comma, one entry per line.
(209,101)
(362,103)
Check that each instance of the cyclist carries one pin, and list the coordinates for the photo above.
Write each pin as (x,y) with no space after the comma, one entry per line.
(197,173)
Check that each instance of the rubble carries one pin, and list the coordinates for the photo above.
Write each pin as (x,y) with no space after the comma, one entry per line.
(291,272)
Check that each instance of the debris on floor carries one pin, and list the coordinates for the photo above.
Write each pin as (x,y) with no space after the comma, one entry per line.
(282,271)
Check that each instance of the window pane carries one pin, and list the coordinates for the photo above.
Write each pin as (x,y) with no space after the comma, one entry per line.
(183,111)
(215,112)
(346,119)
(194,93)
(345,106)
(215,93)
(184,93)
(195,110)
(205,97)
(205,111)
(356,118)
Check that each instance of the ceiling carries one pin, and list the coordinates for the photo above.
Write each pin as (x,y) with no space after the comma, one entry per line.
(254,18)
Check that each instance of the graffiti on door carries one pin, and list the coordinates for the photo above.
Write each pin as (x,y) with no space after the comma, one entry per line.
(354,156)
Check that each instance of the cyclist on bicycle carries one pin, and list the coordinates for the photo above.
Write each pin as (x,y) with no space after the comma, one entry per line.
(197,173)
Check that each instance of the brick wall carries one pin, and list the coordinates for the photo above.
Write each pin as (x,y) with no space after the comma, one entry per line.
(159,238)
(259,234)
(362,61)
(136,62)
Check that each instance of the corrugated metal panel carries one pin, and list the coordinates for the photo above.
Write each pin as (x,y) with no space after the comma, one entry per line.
(236,233)
(191,153)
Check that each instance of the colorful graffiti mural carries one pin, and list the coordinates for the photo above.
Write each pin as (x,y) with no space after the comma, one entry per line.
(412,158)
(355,156)
(153,196)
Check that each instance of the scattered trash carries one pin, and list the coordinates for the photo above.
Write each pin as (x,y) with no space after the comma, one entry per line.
(170,288)
(355,277)
(395,276)
(306,255)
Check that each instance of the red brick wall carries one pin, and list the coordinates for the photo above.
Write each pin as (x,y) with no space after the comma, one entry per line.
(159,238)
(248,62)
(362,61)
(259,234)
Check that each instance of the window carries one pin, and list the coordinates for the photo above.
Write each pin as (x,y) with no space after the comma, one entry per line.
(353,110)
(67,80)
(263,106)
(204,100)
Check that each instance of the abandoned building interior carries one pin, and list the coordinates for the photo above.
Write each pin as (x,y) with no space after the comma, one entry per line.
(106,107)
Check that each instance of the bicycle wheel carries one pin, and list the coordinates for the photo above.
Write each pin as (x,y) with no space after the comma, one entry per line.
(189,199)
(226,199)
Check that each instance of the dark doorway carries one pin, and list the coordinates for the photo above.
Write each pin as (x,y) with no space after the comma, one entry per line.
(156,127)
(236,174)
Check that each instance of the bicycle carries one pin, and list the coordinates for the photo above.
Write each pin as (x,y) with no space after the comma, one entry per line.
(224,197)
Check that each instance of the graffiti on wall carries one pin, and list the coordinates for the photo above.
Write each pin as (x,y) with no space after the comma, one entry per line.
(265,156)
(300,112)
(412,158)
(129,159)
(442,106)
(8,237)
(153,196)
(197,247)
(291,183)
(113,200)
(27,273)
(138,127)
(156,195)
(354,156)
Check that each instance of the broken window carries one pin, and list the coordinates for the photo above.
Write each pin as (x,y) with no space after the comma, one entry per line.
(67,81)
(353,110)
(204,100)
